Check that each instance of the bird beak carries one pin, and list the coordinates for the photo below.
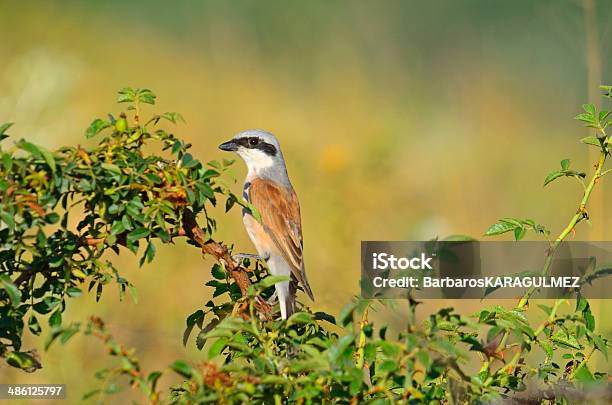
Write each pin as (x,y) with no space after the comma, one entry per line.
(229,146)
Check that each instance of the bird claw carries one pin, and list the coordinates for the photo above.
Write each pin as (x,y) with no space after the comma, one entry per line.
(273,298)
(240,256)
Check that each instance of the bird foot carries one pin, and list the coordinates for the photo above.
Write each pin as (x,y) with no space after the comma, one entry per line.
(273,298)
(240,256)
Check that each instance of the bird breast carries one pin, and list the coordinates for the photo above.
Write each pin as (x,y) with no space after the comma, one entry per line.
(260,238)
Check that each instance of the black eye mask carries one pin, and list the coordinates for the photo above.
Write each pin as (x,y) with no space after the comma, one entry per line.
(257,143)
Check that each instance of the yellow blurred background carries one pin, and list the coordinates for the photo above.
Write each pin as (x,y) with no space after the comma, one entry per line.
(398,120)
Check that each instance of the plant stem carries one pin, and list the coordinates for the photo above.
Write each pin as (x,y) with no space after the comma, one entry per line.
(579,216)
(550,319)
(583,363)
(362,340)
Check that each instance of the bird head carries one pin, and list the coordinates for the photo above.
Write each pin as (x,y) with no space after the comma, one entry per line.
(259,149)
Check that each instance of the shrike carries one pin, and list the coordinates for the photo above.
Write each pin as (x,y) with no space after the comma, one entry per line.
(278,238)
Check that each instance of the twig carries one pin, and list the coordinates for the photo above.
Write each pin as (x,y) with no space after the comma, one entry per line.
(191,230)
(581,213)
(220,252)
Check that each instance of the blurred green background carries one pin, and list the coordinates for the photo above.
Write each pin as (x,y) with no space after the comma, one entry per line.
(398,120)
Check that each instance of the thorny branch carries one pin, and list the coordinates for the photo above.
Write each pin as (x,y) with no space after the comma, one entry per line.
(194,233)
(220,252)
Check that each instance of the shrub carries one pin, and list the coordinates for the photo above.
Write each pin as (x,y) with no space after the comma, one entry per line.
(129,199)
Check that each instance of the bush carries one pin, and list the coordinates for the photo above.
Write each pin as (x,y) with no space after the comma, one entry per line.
(128,199)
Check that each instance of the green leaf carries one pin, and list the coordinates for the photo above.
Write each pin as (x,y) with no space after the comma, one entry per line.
(138,233)
(561,173)
(591,140)
(69,332)
(218,272)
(566,340)
(589,319)
(182,368)
(39,152)
(125,220)
(250,207)
(322,316)
(346,314)
(203,335)
(3,128)
(188,161)
(547,347)
(217,347)
(565,163)
(46,305)
(519,233)
(229,203)
(196,318)
(11,289)
(23,360)
(271,280)
(34,326)
(300,317)
(149,253)
(589,108)
(8,219)
(30,148)
(152,379)
(583,375)
(153,178)
(387,366)
(55,320)
(552,176)
(7,161)
(95,127)
(545,308)
(215,164)
(117,228)
(126,95)
(484,315)
(173,117)
(601,345)
(501,226)
(74,292)
(48,158)
(111,168)
(64,334)
(52,218)
(146,96)
(274,379)
(133,293)
(90,394)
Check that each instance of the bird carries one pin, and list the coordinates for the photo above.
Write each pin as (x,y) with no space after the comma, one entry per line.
(278,237)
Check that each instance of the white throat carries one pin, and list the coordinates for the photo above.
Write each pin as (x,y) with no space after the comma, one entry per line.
(257,161)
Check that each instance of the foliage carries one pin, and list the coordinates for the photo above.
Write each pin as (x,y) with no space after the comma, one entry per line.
(126,198)
(119,195)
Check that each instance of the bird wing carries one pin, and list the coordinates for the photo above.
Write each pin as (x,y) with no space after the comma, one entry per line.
(280,216)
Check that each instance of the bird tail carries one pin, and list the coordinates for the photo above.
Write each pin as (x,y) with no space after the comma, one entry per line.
(305,284)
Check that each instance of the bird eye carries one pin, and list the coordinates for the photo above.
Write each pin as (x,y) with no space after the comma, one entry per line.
(253,141)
